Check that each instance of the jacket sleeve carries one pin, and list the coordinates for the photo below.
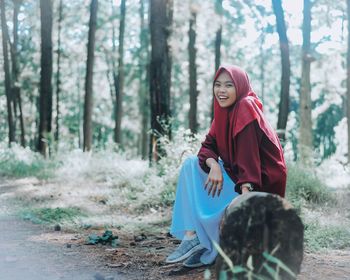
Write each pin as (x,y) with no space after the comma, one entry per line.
(208,149)
(247,156)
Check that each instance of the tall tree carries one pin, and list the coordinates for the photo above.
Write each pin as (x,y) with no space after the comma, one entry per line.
(161,12)
(193,124)
(348,80)
(144,80)
(5,42)
(16,91)
(119,78)
(45,102)
(58,74)
(305,137)
(218,39)
(88,103)
(285,78)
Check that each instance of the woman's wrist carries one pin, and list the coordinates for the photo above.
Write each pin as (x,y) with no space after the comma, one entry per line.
(210,162)
(247,187)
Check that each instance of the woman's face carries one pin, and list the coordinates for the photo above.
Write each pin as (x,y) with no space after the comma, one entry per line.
(224,90)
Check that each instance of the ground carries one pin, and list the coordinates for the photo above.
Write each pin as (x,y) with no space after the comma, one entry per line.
(31,251)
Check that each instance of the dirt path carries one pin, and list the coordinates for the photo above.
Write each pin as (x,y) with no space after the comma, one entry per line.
(31,252)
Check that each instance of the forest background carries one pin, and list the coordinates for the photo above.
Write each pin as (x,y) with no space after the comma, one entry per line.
(100,101)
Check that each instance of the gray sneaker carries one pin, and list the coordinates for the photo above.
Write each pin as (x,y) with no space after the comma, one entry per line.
(185,249)
(195,259)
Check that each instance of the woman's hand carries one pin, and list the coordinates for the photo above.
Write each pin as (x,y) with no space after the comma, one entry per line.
(215,180)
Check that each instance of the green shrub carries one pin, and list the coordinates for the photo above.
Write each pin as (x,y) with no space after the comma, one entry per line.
(51,215)
(21,162)
(319,237)
(302,183)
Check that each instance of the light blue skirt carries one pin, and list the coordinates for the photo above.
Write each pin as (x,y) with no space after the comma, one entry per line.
(196,211)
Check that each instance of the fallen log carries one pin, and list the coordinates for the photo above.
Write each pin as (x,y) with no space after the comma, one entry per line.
(262,234)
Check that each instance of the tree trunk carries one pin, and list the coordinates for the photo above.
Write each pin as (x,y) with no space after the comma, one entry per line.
(193,124)
(218,40)
(160,73)
(5,41)
(305,137)
(15,70)
(348,81)
(58,74)
(285,78)
(144,82)
(255,223)
(262,66)
(88,103)
(119,84)
(45,106)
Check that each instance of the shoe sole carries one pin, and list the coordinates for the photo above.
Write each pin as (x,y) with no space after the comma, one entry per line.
(188,254)
(193,265)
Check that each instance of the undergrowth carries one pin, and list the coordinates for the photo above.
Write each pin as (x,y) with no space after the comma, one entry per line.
(51,215)
(303,184)
(18,162)
(318,237)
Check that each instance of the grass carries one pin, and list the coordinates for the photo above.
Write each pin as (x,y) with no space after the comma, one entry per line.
(318,237)
(18,162)
(51,215)
(302,184)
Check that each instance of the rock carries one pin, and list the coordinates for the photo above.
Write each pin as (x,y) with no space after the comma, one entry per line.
(57,227)
(140,237)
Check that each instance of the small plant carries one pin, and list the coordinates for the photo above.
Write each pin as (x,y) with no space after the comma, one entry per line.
(106,238)
(51,215)
(249,271)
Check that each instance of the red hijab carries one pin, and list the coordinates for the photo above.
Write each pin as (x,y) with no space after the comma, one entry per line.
(228,122)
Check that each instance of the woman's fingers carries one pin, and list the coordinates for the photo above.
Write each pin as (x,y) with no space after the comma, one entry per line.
(211,186)
(219,189)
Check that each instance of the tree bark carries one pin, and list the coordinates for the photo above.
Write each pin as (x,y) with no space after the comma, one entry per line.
(160,74)
(119,79)
(285,78)
(193,124)
(144,81)
(255,223)
(58,74)
(9,99)
(218,39)
(305,137)
(15,70)
(45,102)
(88,103)
(348,80)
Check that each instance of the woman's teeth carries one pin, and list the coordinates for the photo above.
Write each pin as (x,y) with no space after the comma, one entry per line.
(223,97)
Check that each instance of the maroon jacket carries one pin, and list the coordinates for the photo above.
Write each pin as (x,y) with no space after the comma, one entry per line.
(255,160)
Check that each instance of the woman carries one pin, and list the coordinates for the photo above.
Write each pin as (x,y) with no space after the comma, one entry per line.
(241,153)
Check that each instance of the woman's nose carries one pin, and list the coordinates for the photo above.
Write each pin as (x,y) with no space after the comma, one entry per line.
(222,89)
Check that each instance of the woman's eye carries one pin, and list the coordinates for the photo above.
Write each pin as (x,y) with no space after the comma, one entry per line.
(229,85)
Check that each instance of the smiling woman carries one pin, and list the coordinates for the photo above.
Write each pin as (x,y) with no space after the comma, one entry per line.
(241,153)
